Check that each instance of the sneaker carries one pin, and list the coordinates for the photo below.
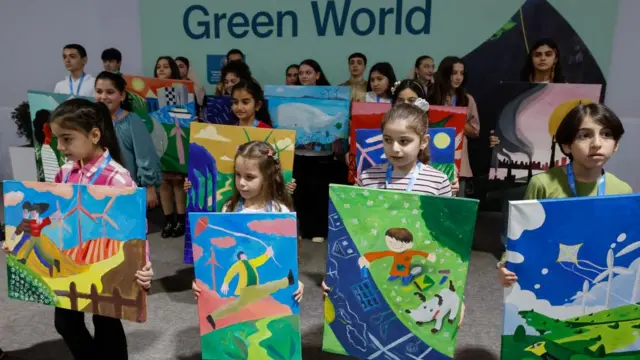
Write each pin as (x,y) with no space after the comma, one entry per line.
(317,239)
(178,230)
(167,230)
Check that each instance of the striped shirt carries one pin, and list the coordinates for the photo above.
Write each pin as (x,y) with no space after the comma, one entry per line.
(113,175)
(429,180)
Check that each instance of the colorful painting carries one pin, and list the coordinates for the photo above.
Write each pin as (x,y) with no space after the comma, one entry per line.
(219,112)
(321,125)
(578,284)
(167,107)
(77,247)
(363,116)
(370,150)
(454,117)
(529,117)
(309,92)
(397,267)
(247,267)
(48,158)
(212,152)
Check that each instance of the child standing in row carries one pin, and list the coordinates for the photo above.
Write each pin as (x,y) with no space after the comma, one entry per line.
(381,79)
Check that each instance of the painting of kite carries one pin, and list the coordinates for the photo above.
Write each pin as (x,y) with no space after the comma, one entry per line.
(218,111)
(528,117)
(397,268)
(578,284)
(77,247)
(247,267)
(48,158)
(370,150)
(363,116)
(167,107)
(320,125)
(308,92)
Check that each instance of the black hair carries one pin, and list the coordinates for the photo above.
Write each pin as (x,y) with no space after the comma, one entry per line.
(600,113)
(292,66)
(322,80)
(419,61)
(175,72)
(120,84)
(528,70)
(414,85)
(235,51)
(240,253)
(84,115)
(81,50)
(239,68)
(184,60)
(26,206)
(258,96)
(112,54)
(386,70)
(42,117)
(416,66)
(358,55)
(442,88)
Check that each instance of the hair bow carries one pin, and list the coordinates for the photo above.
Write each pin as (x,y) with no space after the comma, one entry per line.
(422,104)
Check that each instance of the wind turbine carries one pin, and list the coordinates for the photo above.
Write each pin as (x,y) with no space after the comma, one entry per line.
(106,219)
(59,223)
(584,295)
(609,273)
(636,283)
(81,210)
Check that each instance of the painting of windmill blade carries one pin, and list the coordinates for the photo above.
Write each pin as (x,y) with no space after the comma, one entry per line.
(167,107)
(76,247)
(212,153)
(578,289)
(247,267)
(528,117)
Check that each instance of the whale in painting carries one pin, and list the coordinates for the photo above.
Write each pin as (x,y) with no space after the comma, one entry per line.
(303,116)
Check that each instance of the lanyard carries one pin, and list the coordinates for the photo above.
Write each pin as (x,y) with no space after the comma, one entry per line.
(572,182)
(414,175)
(256,122)
(118,115)
(96,174)
(454,100)
(240,206)
(79,84)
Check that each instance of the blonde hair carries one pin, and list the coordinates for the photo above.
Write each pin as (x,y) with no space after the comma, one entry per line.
(417,120)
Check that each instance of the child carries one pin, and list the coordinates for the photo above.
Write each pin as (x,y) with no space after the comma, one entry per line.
(423,71)
(588,136)
(409,92)
(138,153)
(381,78)
(357,65)
(78,83)
(310,74)
(543,63)
(259,187)
(248,105)
(87,138)
(291,75)
(231,74)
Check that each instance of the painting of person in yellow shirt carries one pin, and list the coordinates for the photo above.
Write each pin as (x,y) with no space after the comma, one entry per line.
(249,288)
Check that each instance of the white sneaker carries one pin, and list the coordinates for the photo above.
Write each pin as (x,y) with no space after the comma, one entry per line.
(317,239)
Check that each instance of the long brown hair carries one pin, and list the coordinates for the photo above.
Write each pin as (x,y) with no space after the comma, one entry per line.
(418,121)
(273,187)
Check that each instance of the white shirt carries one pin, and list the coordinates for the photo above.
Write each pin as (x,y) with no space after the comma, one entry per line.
(371,97)
(86,89)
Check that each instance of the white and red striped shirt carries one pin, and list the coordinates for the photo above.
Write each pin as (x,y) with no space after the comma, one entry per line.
(428,181)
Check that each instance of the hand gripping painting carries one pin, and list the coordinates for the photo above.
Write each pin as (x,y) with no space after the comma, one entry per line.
(77,247)
(397,267)
(578,284)
(48,158)
(167,107)
(246,265)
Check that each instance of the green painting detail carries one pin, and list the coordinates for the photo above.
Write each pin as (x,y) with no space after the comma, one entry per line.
(26,285)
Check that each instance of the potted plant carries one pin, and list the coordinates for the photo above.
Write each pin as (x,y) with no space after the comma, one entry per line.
(22,157)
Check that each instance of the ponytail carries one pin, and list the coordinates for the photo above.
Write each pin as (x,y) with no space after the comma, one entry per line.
(424,156)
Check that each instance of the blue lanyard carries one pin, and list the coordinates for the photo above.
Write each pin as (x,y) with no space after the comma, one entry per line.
(240,206)
(571,178)
(454,100)
(96,174)
(256,122)
(118,114)
(414,175)
(79,84)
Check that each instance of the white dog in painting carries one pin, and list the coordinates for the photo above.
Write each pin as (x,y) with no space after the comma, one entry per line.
(443,303)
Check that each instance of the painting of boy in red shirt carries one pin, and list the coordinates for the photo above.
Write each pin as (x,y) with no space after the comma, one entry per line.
(399,241)
(36,224)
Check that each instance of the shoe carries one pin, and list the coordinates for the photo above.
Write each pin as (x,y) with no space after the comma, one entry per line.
(317,239)
(178,230)
(167,230)
(211,322)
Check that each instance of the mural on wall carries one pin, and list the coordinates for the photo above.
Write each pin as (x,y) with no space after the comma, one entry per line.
(397,268)
(247,267)
(76,247)
(578,282)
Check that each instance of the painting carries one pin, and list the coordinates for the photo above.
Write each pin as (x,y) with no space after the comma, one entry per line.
(454,117)
(218,111)
(363,116)
(167,107)
(247,267)
(578,284)
(212,153)
(527,122)
(370,150)
(48,158)
(397,266)
(77,247)
(320,125)
(309,92)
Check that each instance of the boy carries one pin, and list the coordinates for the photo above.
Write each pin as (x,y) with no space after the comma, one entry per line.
(235,55)
(357,65)
(111,60)
(78,82)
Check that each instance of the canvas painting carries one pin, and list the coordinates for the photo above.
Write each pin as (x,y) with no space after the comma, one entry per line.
(309,92)
(213,149)
(321,125)
(77,247)
(397,266)
(454,117)
(528,118)
(219,112)
(167,107)
(578,284)
(247,267)
(48,158)
(370,150)
(363,116)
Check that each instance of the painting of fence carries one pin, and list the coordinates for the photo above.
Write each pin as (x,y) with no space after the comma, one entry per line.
(76,246)
(309,92)
(578,284)
(219,112)
(167,107)
(397,267)
(363,116)
(247,267)
(48,157)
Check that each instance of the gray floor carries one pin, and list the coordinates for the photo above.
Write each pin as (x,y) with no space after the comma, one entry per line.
(27,332)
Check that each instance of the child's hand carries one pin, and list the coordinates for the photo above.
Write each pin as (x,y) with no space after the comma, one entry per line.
(363,262)
(291,187)
(152,197)
(5,248)
(506,277)
(144,276)
(432,257)
(325,288)
(455,186)
(300,292)
(187,185)
(462,310)
(196,290)
(493,140)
